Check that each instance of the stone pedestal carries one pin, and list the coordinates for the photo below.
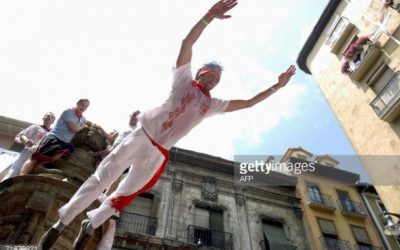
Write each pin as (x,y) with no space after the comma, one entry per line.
(29,204)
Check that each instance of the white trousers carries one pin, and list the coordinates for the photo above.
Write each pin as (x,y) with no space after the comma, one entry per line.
(16,167)
(137,152)
(107,240)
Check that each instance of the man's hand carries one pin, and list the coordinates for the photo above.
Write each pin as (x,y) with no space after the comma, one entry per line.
(284,78)
(219,9)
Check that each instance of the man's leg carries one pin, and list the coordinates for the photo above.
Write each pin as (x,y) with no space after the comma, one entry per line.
(107,240)
(15,168)
(28,167)
(146,161)
(108,171)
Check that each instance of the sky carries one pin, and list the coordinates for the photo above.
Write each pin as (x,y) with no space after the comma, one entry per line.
(119,55)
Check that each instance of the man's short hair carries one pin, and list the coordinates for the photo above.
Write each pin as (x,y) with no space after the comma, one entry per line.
(83,100)
(212,64)
(49,114)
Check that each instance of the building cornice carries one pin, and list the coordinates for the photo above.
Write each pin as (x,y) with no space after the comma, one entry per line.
(315,34)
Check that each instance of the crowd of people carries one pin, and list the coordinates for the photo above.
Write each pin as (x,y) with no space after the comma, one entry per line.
(142,151)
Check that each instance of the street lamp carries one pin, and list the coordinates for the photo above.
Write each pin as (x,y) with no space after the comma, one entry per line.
(391,228)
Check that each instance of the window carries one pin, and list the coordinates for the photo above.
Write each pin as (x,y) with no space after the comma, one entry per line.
(338,33)
(345,201)
(274,236)
(361,236)
(141,205)
(137,216)
(387,99)
(209,227)
(301,156)
(329,238)
(327,227)
(314,193)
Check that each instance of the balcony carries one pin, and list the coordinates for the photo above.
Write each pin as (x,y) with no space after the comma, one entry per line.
(363,62)
(320,201)
(329,243)
(367,247)
(210,238)
(352,209)
(136,223)
(280,247)
(387,103)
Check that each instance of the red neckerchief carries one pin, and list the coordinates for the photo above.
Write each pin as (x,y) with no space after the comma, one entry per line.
(203,90)
(77,112)
(45,127)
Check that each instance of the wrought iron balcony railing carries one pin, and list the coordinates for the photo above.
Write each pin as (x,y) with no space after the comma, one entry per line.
(349,207)
(206,237)
(136,223)
(387,98)
(367,247)
(329,243)
(281,247)
(316,199)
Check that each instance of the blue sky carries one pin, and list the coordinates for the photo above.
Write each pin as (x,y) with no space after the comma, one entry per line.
(120,54)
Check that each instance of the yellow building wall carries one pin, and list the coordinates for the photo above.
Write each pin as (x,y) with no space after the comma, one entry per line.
(350,100)
(342,223)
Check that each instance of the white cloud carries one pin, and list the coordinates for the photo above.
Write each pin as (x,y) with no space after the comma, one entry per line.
(120,55)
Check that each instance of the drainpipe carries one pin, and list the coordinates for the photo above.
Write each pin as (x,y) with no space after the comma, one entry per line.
(246,210)
(375,220)
(168,218)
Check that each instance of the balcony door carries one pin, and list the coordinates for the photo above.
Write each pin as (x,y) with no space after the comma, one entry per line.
(209,227)
(346,202)
(314,194)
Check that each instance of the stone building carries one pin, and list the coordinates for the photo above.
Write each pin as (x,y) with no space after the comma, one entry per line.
(354,56)
(196,203)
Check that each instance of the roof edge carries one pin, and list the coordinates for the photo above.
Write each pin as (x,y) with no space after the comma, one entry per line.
(315,34)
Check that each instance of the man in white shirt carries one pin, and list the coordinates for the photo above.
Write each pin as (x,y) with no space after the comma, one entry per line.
(29,137)
(146,149)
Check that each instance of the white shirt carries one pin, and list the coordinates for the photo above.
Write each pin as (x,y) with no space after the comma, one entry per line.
(185,107)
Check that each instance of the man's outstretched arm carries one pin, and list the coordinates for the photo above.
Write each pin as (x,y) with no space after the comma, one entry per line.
(282,81)
(218,10)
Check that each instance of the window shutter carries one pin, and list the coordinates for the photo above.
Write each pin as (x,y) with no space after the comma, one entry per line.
(276,236)
(202,218)
(327,227)
(140,205)
(360,234)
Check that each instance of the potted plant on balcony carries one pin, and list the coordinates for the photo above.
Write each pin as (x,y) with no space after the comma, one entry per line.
(358,49)
(355,54)
(346,68)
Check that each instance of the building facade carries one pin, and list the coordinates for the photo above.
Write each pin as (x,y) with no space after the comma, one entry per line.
(353,54)
(196,203)
(334,214)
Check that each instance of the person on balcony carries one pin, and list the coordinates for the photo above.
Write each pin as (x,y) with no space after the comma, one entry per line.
(146,149)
